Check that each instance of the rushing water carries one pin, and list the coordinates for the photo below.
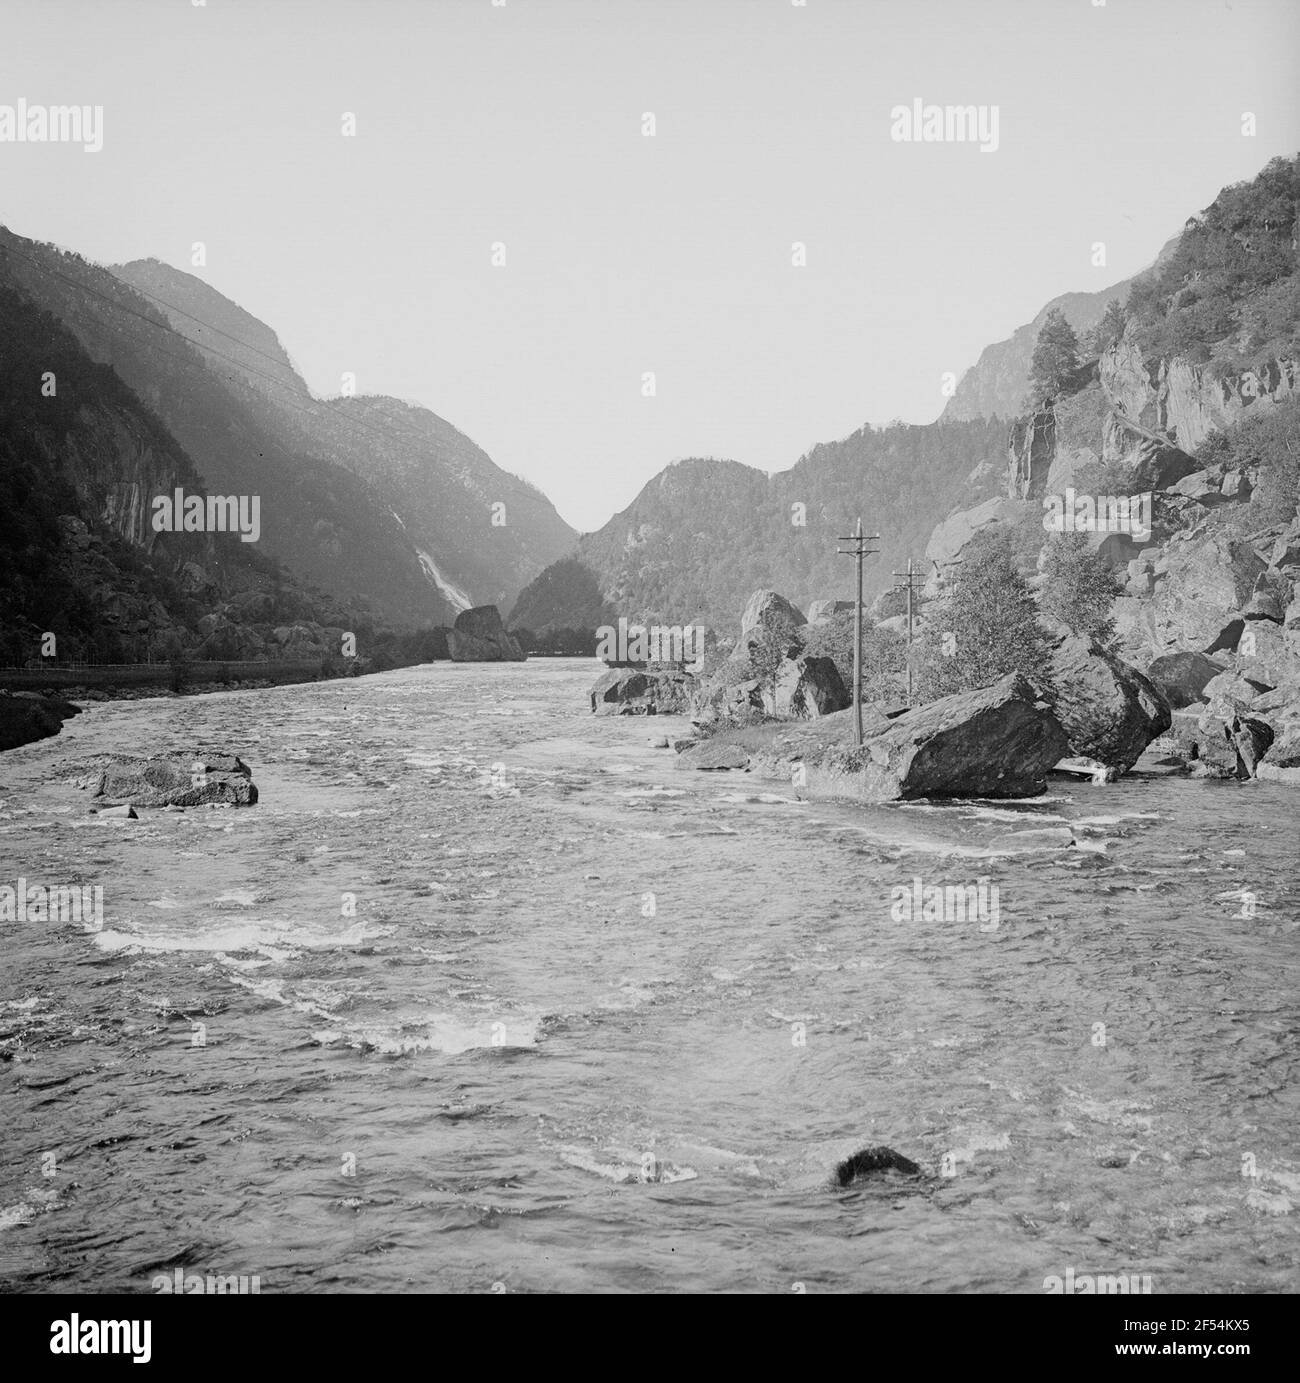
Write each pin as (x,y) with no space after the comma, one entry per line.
(512,1065)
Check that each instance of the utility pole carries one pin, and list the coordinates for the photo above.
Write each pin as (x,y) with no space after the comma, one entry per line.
(858,551)
(908,579)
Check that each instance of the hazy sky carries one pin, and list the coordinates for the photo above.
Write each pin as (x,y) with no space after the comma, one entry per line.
(522,123)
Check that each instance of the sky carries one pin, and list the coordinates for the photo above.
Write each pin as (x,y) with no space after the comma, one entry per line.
(481,125)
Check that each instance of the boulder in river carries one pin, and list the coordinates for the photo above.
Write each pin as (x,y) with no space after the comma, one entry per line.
(872,1162)
(1108,709)
(193,778)
(999,741)
(713,754)
(478,636)
(632,692)
(26,717)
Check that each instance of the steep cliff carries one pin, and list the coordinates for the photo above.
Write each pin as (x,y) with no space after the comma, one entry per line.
(322,521)
(80,462)
(480,533)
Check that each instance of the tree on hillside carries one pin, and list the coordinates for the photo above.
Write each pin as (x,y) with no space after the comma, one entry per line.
(1078,587)
(1107,332)
(986,624)
(770,643)
(1055,359)
(884,653)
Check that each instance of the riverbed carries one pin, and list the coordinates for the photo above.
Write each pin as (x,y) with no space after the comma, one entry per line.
(484,994)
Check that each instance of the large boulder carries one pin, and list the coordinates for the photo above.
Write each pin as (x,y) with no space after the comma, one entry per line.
(950,537)
(1109,710)
(1182,677)
(478,636)
(27,717)
(632,692)
(1000,741)
(1228,694)
(809,686)
(1267,653)
(766,610)
(193,778)
(1252,738)
(1203,581)
(725,697)
(712,756)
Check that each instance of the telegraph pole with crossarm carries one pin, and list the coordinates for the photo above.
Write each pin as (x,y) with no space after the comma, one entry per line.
(907,580)
(859,539)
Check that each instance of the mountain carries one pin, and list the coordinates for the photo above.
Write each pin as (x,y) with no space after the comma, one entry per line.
(1197,407)
(704,533)
(480,533)
(566,595)
(323,522)
(996,385)
(80,457)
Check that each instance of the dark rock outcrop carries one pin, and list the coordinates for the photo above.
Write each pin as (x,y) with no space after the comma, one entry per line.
(1182,677)
(873,1162)
(192,779)
(808,687)
(1109,710)
(478,636)
(1251,739)
(999,741)
(25,718)
(631,692)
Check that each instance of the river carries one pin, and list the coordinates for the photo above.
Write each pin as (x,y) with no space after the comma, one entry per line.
(484,995)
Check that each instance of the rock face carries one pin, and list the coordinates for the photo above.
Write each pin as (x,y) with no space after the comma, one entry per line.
(1000,741)
(765,610)
(808,687)
(193,779)
(25,718)
(1183,677)
(1202,581)
(952,535)
(479,636)
(631,692)
(1185,402)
